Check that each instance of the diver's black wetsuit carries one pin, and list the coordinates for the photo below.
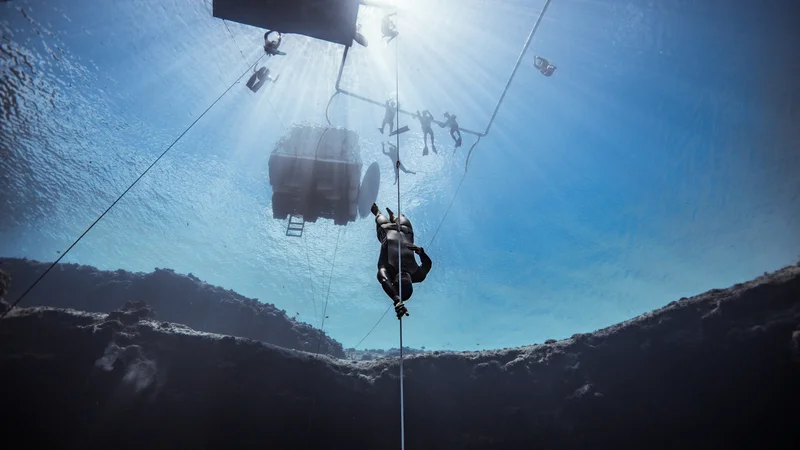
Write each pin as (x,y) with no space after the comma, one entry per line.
(388,116)
(388,28)
(544,66)
(425,120)
(389,235)
(455,130)
(271,47)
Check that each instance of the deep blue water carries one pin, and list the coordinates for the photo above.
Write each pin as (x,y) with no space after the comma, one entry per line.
(660,160)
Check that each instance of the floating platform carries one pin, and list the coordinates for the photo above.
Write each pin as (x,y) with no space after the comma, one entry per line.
(314,173)
(329,20)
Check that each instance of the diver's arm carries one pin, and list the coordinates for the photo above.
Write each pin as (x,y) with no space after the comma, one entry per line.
(419,275)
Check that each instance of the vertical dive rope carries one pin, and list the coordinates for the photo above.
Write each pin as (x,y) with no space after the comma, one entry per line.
(472,147)
(399,241)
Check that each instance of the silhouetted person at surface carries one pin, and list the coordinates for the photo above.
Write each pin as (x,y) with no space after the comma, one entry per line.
(388,116)
(544,66)
(425,120)
(455,131)
(270,46)
(389,28)
(258,79)
(392,153)
(391,231)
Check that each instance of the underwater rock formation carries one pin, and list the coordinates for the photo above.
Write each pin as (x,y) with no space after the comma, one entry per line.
(720,370)
(173,297)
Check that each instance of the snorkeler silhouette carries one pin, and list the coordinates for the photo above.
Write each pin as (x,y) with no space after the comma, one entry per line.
(392,231)
(388,116)
(544,66)
(259,78)
(389,28)
(455,131)
(392,153)
(425,120)
(271,47)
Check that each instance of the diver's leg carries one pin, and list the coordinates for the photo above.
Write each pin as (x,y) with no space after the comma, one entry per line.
(385,277)
(403,168)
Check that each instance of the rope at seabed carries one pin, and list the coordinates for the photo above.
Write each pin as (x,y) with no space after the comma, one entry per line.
(64,253)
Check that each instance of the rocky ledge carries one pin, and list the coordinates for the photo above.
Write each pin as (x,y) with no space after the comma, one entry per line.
(720,370)
(175,298)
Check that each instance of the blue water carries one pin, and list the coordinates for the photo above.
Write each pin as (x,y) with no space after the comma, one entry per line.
(660,160)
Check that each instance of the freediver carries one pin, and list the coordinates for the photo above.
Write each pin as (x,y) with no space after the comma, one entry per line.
(455,131)
(259,78)
(389,28)
(392,231)
(425,120)
(544,66)
(392,153)
(388,116)
(271,47)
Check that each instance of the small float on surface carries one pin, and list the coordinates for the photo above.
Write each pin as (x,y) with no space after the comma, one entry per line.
(315,173)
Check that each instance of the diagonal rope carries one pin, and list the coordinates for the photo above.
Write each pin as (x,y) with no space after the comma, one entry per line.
(146,171)
(234,39)
(245,60)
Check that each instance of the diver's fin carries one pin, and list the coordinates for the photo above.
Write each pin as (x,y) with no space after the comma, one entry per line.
(399,130)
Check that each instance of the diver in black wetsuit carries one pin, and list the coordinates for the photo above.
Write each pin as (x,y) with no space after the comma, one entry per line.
(388,116)
(425,120)
(455,131)
(271,47)
(388,28)
(393,155)
(544,66)
(390,231)
(259,78)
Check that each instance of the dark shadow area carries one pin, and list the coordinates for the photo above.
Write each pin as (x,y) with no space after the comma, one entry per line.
(719,370)
(182,299)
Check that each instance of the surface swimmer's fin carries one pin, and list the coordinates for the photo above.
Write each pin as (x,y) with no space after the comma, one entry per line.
(399,130)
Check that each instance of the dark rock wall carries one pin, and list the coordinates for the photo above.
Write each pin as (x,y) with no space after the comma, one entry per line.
(718,371)
(175,298)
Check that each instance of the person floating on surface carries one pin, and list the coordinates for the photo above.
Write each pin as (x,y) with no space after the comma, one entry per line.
(392,153)
(391,231)
(388,116)
(455,131)
(258,79)
(271,47)
(544,66)
(425,120)
(389,28)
